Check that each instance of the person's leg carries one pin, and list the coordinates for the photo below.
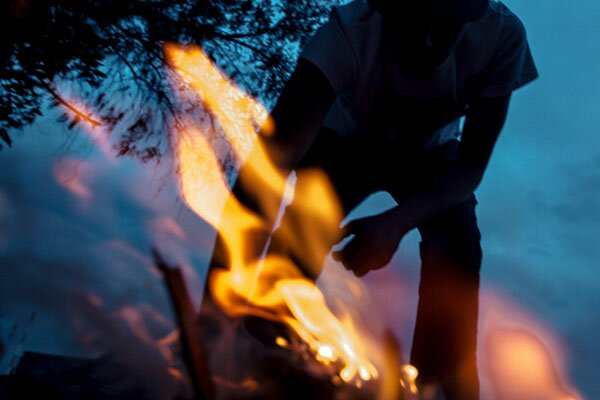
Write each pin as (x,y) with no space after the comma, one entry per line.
(445,336)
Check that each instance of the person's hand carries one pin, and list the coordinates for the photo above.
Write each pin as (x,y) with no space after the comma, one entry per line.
(375,241)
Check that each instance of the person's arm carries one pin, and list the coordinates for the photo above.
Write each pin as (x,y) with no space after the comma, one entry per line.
(300,110)
(299,113)
(453,185)
(297,116)
(377,237)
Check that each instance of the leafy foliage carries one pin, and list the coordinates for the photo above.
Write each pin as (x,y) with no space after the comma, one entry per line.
(110,53)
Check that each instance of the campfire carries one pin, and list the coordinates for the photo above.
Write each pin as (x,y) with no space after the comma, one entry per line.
(271,296)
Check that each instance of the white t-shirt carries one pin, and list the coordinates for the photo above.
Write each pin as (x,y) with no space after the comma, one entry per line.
(375,100)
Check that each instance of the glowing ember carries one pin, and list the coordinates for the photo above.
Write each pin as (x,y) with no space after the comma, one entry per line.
(281,341)
(411,374)
(326,353)
(272,288)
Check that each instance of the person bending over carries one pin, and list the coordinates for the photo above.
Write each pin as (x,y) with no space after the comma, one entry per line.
(376,103)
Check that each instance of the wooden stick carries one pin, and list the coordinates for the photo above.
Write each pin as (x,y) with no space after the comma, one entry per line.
(194,353)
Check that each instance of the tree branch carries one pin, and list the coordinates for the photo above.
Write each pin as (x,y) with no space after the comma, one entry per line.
(70,107)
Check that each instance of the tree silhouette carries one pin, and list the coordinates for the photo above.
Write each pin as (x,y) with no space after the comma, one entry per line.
(110,54)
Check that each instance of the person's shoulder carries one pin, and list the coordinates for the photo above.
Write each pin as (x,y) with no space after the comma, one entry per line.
(508,60)
(508,23)
(340,47)
(356,13)
(499,25)
(498,8)
(362,26)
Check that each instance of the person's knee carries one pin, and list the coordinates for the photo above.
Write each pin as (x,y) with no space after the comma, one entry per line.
(453,237)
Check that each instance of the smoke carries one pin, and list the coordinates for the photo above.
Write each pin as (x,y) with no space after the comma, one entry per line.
(76,229)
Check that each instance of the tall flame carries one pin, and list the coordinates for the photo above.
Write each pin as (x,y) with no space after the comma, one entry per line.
(273,287)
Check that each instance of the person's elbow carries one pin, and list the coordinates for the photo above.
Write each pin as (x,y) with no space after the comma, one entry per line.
(471,174)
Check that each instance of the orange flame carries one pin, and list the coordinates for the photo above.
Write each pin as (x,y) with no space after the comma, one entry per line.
(273,288)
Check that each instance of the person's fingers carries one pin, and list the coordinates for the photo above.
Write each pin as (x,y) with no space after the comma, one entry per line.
(342,257)
(364,266)
(368,258)
(352,226)
(337,255)
(360,256)
(354,256)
